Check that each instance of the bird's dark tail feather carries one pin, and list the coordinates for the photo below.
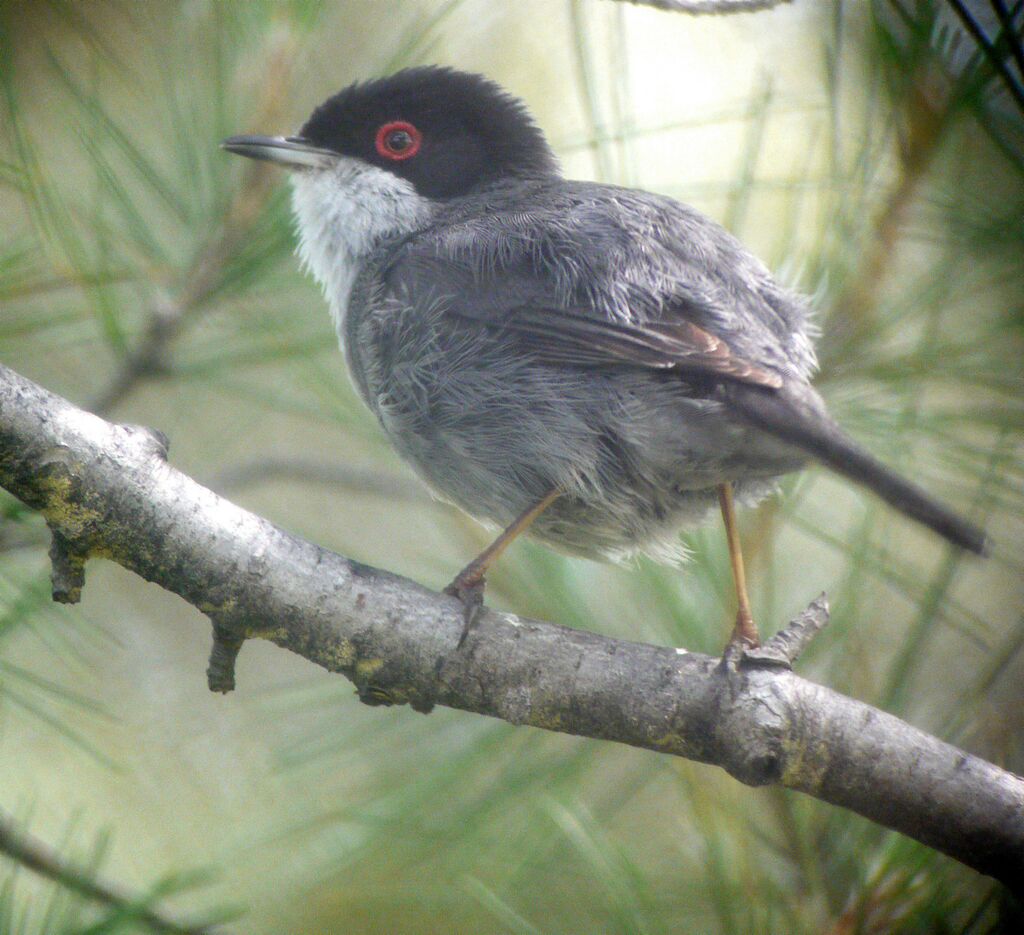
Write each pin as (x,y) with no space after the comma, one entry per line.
(801,420)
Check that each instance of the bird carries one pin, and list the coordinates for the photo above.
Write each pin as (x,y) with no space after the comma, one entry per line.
(596,366)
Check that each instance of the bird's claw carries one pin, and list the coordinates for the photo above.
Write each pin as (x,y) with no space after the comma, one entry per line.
(471,596)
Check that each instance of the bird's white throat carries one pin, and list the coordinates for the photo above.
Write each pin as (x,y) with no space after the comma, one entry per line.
(342,214)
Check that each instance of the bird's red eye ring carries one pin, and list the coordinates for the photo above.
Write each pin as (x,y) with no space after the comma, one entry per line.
(398,140)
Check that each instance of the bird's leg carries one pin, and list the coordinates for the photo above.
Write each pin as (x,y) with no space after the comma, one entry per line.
(744,633)
(468,584)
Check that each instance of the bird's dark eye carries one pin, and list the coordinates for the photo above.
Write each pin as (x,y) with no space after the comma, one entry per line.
(398,140)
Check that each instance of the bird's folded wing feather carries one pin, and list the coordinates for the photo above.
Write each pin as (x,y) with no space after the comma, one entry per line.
(523,297)
(579,339)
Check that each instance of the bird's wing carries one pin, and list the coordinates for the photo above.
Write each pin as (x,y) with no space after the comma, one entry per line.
(580,339)
(607,278)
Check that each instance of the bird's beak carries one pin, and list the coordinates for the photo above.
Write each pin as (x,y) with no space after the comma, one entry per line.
(290,151)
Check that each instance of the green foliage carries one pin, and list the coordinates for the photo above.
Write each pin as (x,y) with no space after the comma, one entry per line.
(899,209)
(78,900)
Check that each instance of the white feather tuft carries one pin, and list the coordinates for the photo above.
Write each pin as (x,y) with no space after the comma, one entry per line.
(342,213)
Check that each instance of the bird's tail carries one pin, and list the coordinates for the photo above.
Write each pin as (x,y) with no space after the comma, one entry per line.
(797,416)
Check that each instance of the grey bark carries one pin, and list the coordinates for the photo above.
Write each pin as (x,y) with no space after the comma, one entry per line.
(107,491)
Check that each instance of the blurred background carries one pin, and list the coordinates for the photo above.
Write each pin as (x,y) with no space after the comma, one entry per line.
(871,152)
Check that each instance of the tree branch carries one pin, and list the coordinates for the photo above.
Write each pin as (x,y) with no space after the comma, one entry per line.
(363,481)
(107,491)
(171,312)
(702,7)
(42,859)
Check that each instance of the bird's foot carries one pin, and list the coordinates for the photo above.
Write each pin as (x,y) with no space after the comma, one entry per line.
(470,592)
(743,641)
(744,633)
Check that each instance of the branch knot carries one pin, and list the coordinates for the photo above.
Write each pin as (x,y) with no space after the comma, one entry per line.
(220,673)
(67,568)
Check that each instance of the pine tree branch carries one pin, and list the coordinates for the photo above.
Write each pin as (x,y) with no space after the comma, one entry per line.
(170,314)
(107,491)
(715,7)
(362,481)
(30,852)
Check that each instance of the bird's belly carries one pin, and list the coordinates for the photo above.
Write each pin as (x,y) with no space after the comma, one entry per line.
(635,455)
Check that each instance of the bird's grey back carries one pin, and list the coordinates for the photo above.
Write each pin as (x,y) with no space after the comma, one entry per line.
(626,255)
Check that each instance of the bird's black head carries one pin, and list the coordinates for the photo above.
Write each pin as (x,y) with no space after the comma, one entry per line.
(446,131)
